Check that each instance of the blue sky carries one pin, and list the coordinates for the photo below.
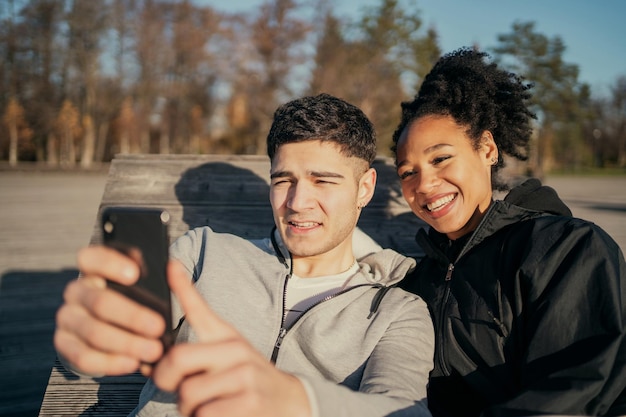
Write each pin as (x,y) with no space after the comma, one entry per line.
(593,31)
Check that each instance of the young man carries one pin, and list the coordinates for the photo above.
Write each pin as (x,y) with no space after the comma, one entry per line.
(296,326)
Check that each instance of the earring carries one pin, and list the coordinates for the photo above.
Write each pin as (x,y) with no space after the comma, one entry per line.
(494,161)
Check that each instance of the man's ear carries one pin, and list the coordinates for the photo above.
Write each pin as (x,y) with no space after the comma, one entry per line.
(367,185)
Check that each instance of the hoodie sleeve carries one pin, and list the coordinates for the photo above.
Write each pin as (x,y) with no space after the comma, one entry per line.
(396,375)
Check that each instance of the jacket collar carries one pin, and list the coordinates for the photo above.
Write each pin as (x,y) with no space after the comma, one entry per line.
(499,215)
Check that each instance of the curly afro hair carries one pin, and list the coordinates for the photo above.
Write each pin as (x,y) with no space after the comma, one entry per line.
(479,95)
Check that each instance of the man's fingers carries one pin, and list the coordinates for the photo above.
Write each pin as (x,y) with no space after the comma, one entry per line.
(112,307)
(208,326)
(107,263)
(104,337)
(187,359)
(210,388)
(89,361)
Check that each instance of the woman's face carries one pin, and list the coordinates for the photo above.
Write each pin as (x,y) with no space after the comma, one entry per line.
(445,180)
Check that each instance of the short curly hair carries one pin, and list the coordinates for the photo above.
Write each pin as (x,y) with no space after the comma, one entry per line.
(479,95)
(326,118)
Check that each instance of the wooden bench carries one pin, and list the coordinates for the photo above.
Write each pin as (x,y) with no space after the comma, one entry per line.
(230,193)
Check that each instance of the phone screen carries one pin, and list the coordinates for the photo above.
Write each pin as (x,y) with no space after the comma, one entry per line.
(142,234)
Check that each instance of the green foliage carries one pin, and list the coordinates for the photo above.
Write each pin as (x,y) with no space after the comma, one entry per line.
(558,96)
(368,62)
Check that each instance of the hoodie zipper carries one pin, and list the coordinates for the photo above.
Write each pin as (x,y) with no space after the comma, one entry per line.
(284,330)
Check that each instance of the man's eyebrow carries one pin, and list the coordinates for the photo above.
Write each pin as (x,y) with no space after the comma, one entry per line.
(317,174)
(280,174)
(325,174)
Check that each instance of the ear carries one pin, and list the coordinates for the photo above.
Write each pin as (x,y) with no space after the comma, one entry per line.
(367,185)
(488,148)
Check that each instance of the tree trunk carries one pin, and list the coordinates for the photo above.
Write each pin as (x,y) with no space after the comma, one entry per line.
(52,150)
(124,142)
(89,144)
(13,145)
(164,144)
(68,151)
(194,144)
(101,142)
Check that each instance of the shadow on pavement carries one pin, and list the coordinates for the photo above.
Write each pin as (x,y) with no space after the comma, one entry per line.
(28,304)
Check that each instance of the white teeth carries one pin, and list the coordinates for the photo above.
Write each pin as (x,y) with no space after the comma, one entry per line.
(306,224)
(438,204)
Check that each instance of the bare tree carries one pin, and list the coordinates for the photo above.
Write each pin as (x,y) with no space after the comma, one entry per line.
(276,35)
(68,129)
(13,118)
(87,22)
(31,63)
(124,124)
(191,76)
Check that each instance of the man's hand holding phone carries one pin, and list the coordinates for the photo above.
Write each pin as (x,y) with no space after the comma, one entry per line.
(117,317)
(100,331)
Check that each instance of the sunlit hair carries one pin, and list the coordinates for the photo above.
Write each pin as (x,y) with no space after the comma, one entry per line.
(326,118)
(479,96)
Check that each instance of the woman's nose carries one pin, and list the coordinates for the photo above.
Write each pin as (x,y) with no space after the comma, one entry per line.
(427,182)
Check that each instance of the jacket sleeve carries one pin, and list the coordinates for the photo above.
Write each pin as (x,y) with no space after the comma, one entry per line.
(395,377)
(571,315)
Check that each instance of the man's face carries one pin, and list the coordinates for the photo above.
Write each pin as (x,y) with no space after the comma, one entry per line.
(315,193)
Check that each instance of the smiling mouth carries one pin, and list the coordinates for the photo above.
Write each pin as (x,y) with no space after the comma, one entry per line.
(303,225)
(440,203)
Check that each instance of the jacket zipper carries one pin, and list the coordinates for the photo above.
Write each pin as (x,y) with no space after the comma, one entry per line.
(283,330)
(446,297)
(442,317)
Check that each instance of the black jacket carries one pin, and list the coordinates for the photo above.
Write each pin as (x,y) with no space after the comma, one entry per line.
(529,313)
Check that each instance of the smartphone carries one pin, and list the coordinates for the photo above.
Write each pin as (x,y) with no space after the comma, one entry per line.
(142,234)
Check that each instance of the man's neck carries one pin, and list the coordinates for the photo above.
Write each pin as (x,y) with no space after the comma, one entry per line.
(322,265)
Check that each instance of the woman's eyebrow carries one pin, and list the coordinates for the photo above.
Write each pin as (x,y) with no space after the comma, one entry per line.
(436,147)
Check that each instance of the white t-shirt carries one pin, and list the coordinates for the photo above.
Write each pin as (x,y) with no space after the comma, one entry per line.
(303,293)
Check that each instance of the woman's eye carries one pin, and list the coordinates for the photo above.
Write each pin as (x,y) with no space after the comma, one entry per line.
(406,174)
(440,159)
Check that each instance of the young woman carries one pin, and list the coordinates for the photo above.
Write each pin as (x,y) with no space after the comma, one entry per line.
(529,303)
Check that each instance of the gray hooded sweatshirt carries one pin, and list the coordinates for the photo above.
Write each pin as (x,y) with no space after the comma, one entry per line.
(366,351)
